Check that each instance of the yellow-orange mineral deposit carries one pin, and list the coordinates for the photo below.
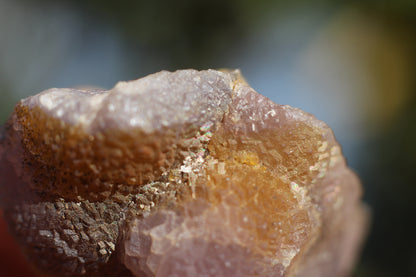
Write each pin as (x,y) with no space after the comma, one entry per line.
(186,173)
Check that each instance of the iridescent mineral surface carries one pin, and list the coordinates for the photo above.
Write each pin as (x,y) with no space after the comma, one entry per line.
(186,173)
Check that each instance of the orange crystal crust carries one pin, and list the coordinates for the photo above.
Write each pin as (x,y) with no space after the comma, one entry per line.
(218,181)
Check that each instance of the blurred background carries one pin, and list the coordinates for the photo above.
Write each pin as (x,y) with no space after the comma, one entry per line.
(351,63)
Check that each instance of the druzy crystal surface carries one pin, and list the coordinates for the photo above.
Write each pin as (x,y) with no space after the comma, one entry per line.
(186,173)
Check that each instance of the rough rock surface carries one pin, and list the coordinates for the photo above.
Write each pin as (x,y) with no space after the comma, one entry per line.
(186,173)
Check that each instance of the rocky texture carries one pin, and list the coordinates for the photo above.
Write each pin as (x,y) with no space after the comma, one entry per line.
(190,173)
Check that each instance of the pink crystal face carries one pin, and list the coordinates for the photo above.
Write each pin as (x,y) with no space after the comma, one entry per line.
(190,173)
(276,192)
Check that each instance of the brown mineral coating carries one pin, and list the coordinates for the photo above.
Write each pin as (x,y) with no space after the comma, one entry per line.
(210,180)
(133,134)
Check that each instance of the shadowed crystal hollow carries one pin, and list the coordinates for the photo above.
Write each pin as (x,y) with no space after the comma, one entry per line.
(186,173)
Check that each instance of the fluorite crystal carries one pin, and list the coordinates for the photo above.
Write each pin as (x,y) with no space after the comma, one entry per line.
(186,173)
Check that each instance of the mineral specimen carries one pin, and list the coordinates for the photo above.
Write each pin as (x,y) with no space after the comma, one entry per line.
(186,173)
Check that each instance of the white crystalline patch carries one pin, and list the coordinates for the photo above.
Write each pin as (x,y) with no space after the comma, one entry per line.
(186,169)
(300,194)
(272,113)
(150,103)
(47,101)
(288,253)
(45,233)
(70,105)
